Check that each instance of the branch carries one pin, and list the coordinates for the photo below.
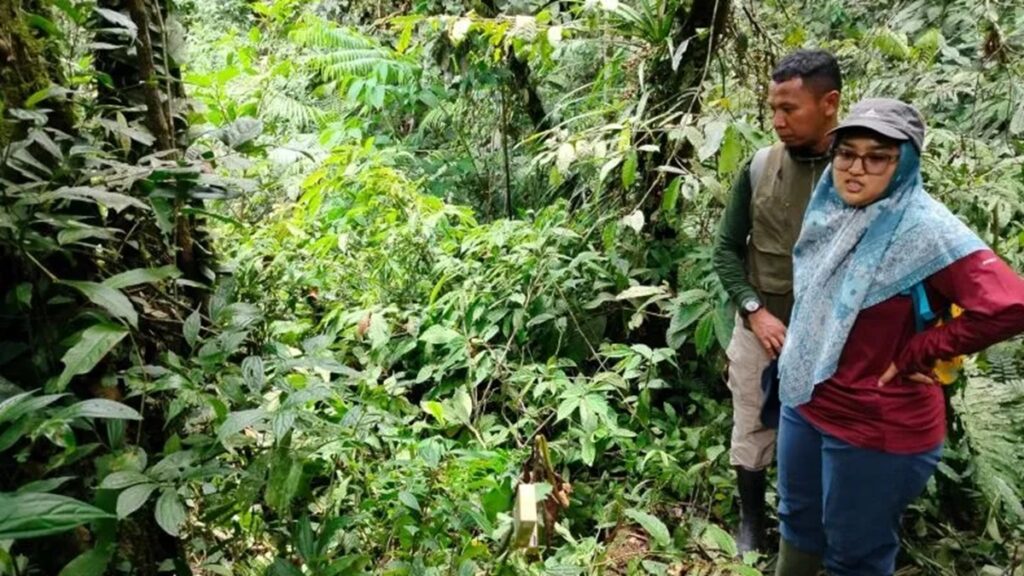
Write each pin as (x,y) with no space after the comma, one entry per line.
(531,100)
(156,117)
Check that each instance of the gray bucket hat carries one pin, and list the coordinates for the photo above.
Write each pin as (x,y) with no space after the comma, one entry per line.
(888,117)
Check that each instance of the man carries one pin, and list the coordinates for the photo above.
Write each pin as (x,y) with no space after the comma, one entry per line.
(753,257)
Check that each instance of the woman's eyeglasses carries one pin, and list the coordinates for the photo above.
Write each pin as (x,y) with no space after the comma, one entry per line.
(873,163)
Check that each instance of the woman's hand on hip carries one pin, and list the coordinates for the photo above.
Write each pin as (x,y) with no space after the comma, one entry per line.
(892,372)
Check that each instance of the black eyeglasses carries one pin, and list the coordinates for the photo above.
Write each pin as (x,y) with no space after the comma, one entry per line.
(873,163)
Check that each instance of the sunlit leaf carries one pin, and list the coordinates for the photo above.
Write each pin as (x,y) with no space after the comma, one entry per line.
(94,343)
(35,514)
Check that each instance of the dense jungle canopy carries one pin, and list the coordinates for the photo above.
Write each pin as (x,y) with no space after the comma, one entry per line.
(308,287)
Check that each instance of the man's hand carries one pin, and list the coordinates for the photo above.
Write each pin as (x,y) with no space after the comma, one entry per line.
(770,331)
(892,371)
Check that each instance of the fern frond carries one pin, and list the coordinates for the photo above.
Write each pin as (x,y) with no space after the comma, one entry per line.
(281,107)
(320,35)
(992,410)
(442,117)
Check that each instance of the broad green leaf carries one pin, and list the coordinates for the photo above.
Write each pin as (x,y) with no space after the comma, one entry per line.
(404,39)
(191,329)
(305,544)
(640,292)
(704,337)
(170,512)
(35,514)
(16,432)
(132,498)
(109,298)
(435,409)
(588,450)
(629,169)
(607,168)
(19,405)
(94,343)
(284,480)
(725,321)
(48,92)
(714,132)
(43,139)
(101,408)
(123,479)
(238,421)
(462,406)
(438,334)
(48,485)
(567,407)
(90,563)
(83,232)
(252,373)
(741,570)
(114,200)
(118,19)
(682,319)
(720,539)
(409,500)
(141,276)
(173,466)
(670,198)
(655,527)
(731,153)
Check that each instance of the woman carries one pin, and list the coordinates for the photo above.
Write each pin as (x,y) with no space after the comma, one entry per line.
(863,422)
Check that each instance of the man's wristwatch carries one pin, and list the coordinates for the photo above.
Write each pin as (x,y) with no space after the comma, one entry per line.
(750,305)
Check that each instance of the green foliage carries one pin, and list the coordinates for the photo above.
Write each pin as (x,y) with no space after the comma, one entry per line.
(361,388)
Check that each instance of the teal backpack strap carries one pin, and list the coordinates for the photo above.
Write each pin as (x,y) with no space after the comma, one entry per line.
(923,313)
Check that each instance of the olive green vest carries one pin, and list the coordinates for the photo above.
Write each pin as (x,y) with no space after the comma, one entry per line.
(779,199)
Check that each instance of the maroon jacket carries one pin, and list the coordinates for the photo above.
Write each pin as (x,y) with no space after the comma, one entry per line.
(906,417)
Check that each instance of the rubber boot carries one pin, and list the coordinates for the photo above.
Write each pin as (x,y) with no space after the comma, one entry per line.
(751,535)
(793,562)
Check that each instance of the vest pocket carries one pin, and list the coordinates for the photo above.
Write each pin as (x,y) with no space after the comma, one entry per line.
(771,271)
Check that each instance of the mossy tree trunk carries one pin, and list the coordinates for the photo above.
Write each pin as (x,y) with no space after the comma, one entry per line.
(23,69)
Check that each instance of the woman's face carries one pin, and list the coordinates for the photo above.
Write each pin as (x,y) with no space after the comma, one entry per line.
(862,168)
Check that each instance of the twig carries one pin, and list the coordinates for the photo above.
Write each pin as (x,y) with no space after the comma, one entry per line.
(504,150)
(53,277)
(167,65)
(760,30)
(539,428)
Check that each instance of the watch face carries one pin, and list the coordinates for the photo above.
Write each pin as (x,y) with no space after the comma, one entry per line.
(751,305)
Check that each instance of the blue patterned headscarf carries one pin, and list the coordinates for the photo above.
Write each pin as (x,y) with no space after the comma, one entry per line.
(848,259)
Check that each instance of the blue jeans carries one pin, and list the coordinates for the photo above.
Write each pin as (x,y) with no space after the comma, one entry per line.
(842,502)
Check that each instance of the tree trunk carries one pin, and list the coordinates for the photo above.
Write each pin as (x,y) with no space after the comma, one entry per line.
(23,71)
(148,79)
(679,90)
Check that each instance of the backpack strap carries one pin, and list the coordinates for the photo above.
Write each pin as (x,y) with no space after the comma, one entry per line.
(923,313)
(757,166)
(946,371)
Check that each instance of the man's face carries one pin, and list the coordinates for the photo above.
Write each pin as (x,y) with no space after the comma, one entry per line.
(801,115)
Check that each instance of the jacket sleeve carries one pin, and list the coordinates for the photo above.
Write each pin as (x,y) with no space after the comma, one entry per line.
(730,252)
(991,295)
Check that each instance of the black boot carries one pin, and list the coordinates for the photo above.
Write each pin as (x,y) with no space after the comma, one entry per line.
(751,536)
